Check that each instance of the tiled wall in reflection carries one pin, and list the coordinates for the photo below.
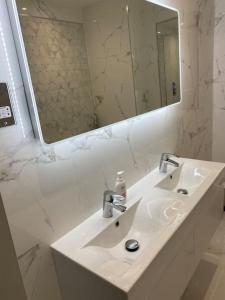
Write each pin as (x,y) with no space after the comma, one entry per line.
(57,58)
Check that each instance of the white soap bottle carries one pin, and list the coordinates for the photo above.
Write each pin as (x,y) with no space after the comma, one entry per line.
(120,185)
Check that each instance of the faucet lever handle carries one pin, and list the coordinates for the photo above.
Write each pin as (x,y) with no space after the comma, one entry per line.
(111,197)
(166,155)
(117,198)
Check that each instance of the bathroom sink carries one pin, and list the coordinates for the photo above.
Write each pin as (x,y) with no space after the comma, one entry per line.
(141,222)
(186,179)
(146,218)
(157,218)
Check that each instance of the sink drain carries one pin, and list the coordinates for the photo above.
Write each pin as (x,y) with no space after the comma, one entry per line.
(132,245)
(182,191)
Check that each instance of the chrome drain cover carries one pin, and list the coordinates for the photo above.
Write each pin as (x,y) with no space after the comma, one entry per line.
(182,191)
(132,245)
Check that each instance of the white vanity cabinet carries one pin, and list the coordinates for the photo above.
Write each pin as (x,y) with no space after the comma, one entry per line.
(183,252)
(177,274)
(210,213)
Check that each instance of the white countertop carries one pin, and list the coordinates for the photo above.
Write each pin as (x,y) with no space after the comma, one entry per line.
(125,271)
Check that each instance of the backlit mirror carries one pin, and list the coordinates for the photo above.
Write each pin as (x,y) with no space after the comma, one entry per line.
(96,62)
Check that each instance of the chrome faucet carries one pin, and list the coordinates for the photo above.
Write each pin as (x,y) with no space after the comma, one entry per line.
(112,200)
(165,161)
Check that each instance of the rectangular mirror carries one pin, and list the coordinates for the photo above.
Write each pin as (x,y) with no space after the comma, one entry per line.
(96,62)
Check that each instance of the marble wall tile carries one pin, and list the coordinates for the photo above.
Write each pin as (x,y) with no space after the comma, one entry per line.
(57,58)
(109,56)
(47,190)
(51,10)
(218,81)
(143,20)
(206,49)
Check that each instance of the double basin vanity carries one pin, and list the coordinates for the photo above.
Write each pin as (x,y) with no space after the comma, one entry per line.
(172,216)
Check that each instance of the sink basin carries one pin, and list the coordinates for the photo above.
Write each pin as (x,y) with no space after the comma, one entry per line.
(140,222)
(185,178)
(158,218)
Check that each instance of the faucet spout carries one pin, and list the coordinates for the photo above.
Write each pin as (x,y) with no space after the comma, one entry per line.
(119,207)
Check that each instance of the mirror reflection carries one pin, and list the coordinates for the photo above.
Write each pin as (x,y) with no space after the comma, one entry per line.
(97,62)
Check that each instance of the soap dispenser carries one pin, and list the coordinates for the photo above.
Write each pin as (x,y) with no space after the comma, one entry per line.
(120,185)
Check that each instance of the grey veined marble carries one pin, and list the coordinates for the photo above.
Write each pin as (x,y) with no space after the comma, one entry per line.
(58,63)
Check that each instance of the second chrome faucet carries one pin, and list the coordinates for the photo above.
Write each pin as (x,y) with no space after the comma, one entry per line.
(166,160)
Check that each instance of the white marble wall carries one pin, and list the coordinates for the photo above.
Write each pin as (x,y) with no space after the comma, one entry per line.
(52,9)
(218,81)
(109,56)
(206,29)
(171,53)
(47,190)
(143,20)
